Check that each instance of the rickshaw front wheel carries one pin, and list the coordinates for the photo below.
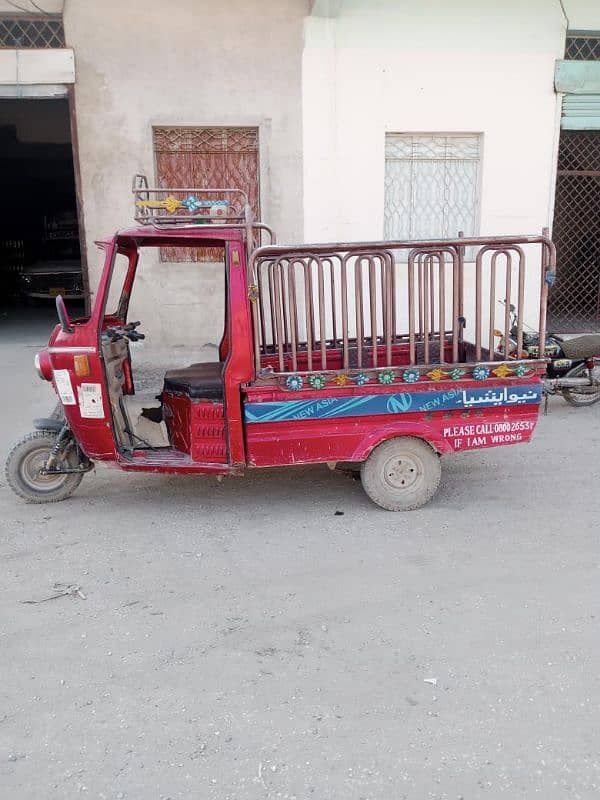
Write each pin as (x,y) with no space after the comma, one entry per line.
(401,474)
(24,470)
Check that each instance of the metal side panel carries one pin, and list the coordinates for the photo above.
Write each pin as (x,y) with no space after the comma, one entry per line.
(581,112)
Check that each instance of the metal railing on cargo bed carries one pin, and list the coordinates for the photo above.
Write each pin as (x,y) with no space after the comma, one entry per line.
(372,305)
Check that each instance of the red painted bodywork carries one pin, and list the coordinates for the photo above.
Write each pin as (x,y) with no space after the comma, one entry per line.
(196,427)
(211,437)
(353,438)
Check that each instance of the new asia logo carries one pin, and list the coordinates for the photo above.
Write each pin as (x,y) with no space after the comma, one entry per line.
(399,403)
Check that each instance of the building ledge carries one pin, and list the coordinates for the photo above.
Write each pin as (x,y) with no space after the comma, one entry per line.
(44,66)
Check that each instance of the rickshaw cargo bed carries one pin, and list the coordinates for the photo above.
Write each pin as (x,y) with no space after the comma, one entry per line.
(346,427)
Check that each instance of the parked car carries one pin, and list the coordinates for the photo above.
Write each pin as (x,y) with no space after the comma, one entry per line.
(56,267)
(45,280)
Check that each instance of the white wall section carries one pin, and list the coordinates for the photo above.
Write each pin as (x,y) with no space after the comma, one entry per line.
(431,67)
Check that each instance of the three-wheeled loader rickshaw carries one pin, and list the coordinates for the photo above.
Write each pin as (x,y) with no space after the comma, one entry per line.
(377,356)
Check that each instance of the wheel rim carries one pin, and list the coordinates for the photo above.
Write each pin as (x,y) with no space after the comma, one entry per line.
(30,472)
(403,472)
(584,398)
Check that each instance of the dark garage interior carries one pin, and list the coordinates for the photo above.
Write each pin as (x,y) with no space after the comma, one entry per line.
(39,239)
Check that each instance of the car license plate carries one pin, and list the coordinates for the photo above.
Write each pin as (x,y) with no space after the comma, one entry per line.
(54,291)
(561,363)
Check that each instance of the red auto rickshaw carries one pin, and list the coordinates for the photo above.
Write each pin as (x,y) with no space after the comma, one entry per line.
(371,356)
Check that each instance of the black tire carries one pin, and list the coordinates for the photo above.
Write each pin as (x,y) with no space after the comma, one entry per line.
(24,462)
(575,398)
(401,474)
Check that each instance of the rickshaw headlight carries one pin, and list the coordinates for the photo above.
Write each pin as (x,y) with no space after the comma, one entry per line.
(43,366)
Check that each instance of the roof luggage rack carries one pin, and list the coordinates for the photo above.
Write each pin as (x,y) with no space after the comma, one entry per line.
(191,206)
(169,208)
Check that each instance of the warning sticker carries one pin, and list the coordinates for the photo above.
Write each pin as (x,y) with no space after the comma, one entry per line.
(90,400)
(488,434)
(64,387)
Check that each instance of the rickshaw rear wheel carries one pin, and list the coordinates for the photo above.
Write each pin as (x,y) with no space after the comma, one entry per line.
(401,474)
(25,462)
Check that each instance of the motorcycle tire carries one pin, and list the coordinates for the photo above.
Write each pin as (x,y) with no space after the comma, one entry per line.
(23,466)
(577,398)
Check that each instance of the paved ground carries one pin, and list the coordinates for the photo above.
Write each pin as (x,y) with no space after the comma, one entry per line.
(241,640)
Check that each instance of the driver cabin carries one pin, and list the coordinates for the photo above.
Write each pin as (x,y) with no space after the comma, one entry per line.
(187,412)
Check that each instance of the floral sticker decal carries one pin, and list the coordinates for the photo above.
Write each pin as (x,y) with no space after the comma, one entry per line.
(411,375)
(480,373)
(171,204)
(317,381)
(361,379)
(294,383)
(436,374)
(192,204)
(502,371)
(386,377)
(341,380)
(456,373)
(521,370)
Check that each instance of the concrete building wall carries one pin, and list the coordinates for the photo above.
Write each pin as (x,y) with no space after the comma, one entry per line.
(145,63)
(583,15)
(434,67)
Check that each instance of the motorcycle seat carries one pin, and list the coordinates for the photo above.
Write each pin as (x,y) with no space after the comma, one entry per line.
(581,347)
(198,381)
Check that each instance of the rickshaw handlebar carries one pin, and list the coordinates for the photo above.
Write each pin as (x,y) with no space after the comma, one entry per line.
(116,332)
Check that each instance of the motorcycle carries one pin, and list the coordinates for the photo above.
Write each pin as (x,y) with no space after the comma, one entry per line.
(573,365)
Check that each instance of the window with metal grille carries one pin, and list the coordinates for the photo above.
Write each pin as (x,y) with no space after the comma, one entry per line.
(582,46)
(207,158)
(35,31)
(431,185)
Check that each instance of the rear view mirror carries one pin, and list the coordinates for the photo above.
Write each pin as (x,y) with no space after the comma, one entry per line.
(63,315)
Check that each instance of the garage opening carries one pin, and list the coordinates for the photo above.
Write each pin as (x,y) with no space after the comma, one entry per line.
(40,253)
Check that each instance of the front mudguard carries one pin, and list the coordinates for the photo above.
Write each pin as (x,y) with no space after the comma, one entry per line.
(64,438)
(47,424)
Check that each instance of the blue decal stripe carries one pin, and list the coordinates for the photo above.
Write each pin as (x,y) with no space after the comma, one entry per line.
(352,403)
(405,402)
(273,412)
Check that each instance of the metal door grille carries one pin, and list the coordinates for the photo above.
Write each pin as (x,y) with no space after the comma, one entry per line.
(574,303)
(207,157)
(31,32)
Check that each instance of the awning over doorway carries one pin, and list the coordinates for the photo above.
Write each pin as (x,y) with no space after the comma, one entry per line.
(580,82)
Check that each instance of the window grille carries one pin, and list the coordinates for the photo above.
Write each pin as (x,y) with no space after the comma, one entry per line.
(31,32)
(207,158)
(431,185)
(583,47)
